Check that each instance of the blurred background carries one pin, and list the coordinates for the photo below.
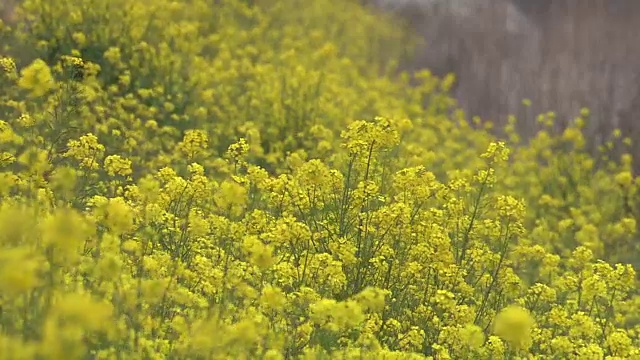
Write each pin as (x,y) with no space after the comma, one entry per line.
(7,10)
(560,54)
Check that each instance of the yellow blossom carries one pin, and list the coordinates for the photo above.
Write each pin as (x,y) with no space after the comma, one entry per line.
(515,324)
(36,78)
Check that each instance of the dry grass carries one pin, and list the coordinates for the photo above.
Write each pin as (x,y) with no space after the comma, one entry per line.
(561,54)
(7,10)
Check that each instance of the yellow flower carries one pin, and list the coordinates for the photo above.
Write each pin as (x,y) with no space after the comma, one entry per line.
(337,316)
(619,343)
(413,340)
(472,336)
(8,135)
(510,208)
(79,38)
(198,225)
(372,299)
(80,309)
(273,298)
(590,352)
(26,120)
(562,345)
(36,78)
(66,230)
(116,165)
(496,152)
(259,253)
(624,179)
(514,324)
(495,347)
(231,197)
(119,215)
(8,66)
(19,270)
(87,150)
(194,142)
(113,55)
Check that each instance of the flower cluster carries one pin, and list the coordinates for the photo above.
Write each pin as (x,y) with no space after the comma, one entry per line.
(201,180)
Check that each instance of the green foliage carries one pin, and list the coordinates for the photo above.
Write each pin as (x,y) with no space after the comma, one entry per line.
(237,179)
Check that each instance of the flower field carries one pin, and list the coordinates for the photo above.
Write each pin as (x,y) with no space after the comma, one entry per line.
(255,179)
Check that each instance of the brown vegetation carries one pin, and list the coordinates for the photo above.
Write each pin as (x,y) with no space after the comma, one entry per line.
(7,10)
(561,54)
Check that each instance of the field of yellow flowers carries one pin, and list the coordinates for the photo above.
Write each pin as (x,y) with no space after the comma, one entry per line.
(238,179)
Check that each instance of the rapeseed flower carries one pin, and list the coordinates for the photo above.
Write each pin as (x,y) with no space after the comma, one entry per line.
(514,325)
(37,78)
(116,165)
(224,189)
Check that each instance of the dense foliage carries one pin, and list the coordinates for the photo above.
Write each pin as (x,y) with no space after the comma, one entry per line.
(228,179)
